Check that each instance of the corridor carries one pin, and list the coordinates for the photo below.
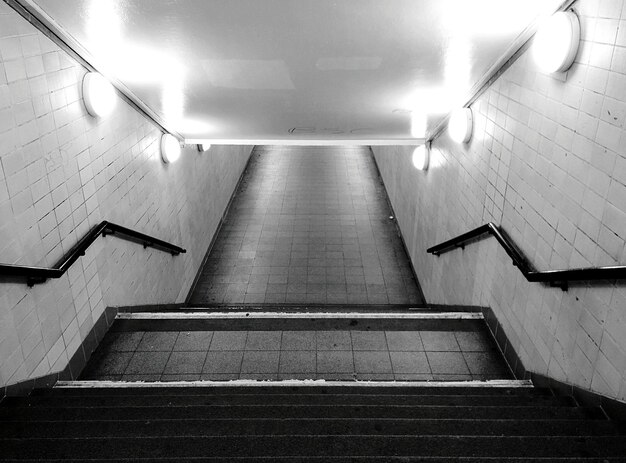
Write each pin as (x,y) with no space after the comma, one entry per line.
(309,225)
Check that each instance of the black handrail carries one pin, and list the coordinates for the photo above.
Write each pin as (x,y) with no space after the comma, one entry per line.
(559,278)
(36,275)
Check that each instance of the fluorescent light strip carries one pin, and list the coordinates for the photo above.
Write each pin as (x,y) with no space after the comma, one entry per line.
(295,315)
(494,383)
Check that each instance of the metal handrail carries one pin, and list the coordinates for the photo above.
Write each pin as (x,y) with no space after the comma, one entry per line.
(559,278)
(36,275)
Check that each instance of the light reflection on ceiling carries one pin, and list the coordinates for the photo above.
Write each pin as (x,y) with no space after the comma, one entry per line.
(297,69)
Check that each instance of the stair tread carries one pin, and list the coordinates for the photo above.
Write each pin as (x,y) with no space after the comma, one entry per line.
(492,446)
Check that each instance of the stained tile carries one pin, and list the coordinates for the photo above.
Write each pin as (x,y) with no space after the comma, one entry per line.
(111,364)
(121,341)
(161,341)
(486,363)
(408,341)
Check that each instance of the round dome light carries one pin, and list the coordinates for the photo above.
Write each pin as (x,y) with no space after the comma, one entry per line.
(460,125)
(202,147)
(421,157)
(98,94)
(556,42)
(170,148)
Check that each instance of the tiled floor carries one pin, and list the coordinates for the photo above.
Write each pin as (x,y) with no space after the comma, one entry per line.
(331,355)
(309,225)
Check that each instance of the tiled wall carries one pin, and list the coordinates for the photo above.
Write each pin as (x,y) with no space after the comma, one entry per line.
(548,162)
(62,172)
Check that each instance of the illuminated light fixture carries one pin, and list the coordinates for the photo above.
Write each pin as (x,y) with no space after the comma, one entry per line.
(421,157)
(170,148)
(202,147)
(98,94)
(556,42)
(460,125)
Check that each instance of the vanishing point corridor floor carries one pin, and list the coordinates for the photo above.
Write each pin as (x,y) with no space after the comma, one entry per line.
(308,225)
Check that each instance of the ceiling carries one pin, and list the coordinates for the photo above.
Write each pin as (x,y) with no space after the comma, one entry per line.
(285,70)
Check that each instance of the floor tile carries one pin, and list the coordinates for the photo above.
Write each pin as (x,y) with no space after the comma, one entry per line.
(334,340)
(369,340)
(228,340)
(450,363)
(408,341)
(474,341)
(219,376)
(223,362)
(297,362)
(439,341)
(263,340)
(180,377)
(335,362)
(372,362)
(409,362)
(185,363)
(122,341)
(486,363)
(193,341)
(162,341)
(298,340)
(260,362)
(140,377)
(112,364)
(145,363)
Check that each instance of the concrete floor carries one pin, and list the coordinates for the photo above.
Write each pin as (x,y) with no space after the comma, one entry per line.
(308,225)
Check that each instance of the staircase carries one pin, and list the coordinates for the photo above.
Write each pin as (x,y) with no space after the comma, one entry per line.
(366,414)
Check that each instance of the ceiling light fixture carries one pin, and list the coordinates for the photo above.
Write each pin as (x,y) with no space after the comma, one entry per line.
(460,125)
(202,147)
(556,42)
(421,156)
(98,95)
(170,148)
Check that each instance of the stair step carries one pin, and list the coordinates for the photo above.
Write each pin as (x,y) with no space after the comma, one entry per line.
(242,446)
(299,411)
(305,426)
(293,321)
(287,399)
(328,308)
(97,388)
(353,459)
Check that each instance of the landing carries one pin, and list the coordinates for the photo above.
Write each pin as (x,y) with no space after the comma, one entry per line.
(309,225)
(380,351)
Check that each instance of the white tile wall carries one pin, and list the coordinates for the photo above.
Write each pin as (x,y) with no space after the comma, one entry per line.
(62,172)
(548,162)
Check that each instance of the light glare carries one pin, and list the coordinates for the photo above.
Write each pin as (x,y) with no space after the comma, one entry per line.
(556,42)
(420,157)
(460,125)
(98,95)
(170,148)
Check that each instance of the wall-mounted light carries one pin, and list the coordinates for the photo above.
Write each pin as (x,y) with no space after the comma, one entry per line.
(170,148)
(202,147)
(460,125)
(421,156)
(98,94)
(556,42)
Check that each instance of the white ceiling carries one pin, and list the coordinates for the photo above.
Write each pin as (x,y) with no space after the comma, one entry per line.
(335,70)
